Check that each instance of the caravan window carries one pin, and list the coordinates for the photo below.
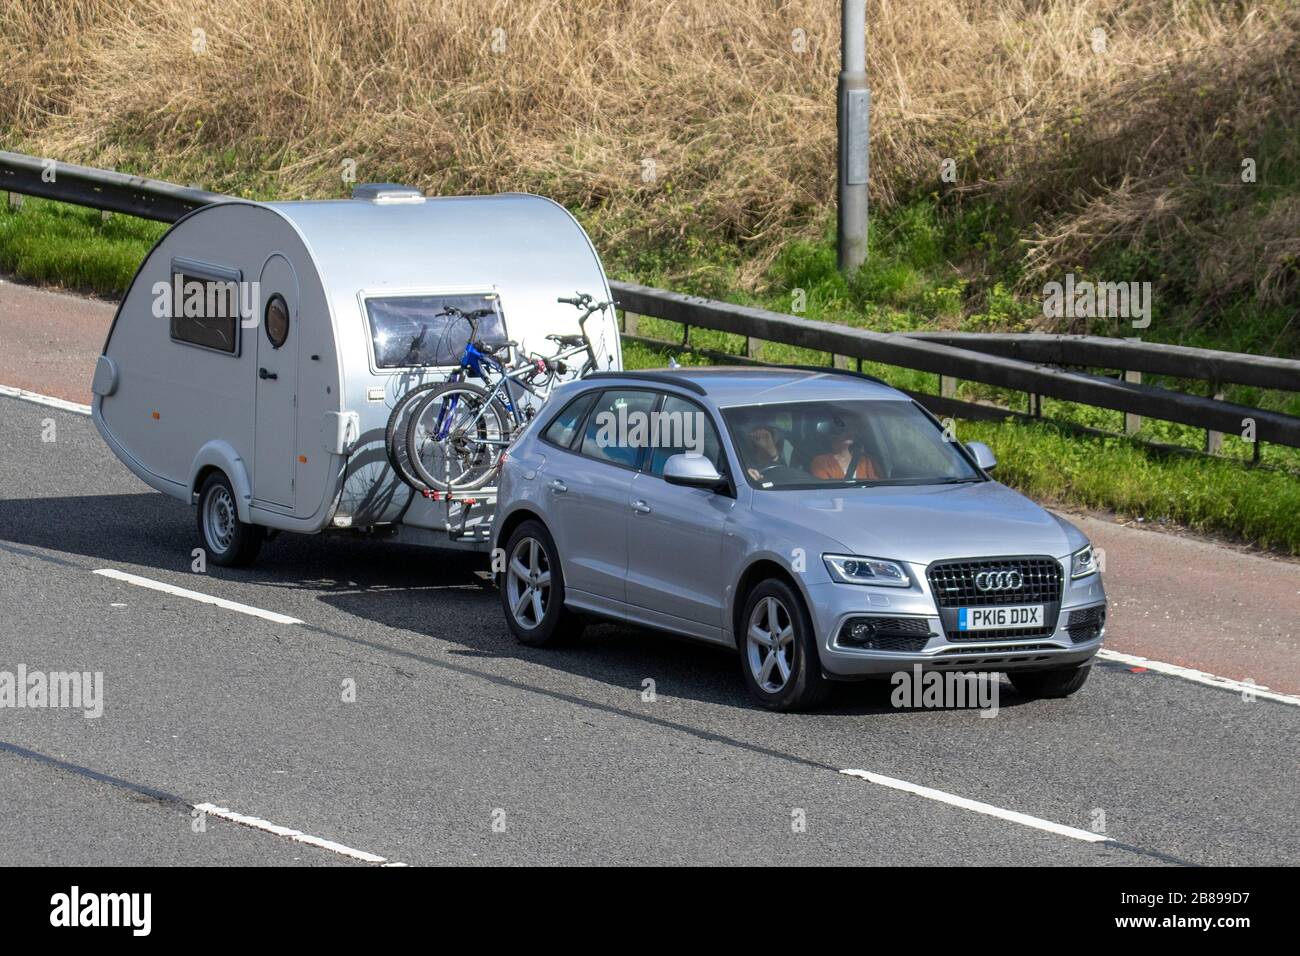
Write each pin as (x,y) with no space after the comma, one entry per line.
(424,330)
(205,312)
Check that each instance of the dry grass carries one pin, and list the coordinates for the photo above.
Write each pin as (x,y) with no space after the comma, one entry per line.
(1087,146)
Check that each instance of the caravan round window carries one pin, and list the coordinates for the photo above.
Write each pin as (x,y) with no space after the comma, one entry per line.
(277,320)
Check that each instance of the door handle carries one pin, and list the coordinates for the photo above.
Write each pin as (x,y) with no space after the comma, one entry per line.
(264,374)
(640,507)
(558,486)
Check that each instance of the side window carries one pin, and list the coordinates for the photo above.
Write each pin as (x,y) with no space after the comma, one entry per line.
(565,425)
(618,427)
(205,312)
(684,428)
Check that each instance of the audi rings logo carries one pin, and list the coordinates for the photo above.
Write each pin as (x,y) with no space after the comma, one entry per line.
(1005,580)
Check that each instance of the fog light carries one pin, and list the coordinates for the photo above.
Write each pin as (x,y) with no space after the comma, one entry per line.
(861,630)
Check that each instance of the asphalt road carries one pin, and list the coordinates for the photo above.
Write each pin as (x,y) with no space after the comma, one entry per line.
(464,747)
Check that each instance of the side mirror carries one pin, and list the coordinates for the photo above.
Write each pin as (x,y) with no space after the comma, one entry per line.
(693,471)
(983,455)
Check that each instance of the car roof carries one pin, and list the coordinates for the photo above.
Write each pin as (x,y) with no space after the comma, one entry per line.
(728,386)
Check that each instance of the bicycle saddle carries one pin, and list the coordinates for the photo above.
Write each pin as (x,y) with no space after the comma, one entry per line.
(566,339)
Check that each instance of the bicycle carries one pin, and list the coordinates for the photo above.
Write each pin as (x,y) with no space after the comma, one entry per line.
(457,431)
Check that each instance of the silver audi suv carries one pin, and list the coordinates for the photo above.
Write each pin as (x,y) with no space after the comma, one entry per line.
(821,522)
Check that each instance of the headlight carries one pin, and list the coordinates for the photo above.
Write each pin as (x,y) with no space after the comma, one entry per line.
(851,569)
(1083,563)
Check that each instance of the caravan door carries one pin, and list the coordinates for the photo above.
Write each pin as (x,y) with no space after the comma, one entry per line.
(275,453)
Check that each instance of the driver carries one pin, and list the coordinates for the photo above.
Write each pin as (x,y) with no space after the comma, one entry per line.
(764,461)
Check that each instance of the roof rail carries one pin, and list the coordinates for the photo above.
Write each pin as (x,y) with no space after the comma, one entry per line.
(838,371)
(659,378)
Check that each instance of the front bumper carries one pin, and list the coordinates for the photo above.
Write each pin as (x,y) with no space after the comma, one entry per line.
(833,604)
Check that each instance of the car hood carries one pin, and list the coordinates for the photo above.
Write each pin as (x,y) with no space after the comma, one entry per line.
(928,523)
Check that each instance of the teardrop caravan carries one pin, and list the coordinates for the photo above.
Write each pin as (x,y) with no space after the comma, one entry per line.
(255,363)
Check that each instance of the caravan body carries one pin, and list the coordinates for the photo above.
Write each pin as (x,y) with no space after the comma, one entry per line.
(290,396)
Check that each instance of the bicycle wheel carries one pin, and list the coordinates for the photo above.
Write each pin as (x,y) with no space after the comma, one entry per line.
(455,437)
(395,434)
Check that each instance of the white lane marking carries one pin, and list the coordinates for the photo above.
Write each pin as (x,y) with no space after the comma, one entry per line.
(296,835)
(36,397)
(196,596)
(1200,677)
(986,808)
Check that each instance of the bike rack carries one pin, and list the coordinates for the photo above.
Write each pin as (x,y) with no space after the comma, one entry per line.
(457,528)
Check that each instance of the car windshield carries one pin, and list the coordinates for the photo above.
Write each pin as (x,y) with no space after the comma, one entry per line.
(843,445)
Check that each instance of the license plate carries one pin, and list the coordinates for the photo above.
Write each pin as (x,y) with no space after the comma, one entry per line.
(990,618)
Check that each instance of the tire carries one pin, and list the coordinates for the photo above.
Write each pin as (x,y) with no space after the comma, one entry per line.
(534,547)
(789,677)
(476,462)
(395,435)
(228,541)
(1058,682)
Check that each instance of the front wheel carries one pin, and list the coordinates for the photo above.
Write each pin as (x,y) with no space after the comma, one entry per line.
(779,659)
(1058,682)
(228,541)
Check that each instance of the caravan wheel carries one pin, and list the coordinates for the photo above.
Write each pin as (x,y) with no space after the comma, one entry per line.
(228,541)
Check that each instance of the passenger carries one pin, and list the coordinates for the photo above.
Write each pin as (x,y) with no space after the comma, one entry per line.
(835,464)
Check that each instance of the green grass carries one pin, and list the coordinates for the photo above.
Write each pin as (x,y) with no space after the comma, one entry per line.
(64,245)
(908,283)
(1116,474)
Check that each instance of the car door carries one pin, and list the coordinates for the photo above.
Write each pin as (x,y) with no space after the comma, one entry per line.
(587,490)
(275,442)
(675,533)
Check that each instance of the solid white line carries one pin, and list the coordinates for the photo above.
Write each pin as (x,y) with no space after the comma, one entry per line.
(1200,677)
(37,398)
(196,596)
(986,808)
(296,835)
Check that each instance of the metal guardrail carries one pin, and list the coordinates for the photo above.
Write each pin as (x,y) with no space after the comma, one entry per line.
(1019,362)
(1095,351)
(100,188)
(925,354)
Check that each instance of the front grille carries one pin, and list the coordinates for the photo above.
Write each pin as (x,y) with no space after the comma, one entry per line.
(953,582)
(953,586)
(1086,623)
(907,634)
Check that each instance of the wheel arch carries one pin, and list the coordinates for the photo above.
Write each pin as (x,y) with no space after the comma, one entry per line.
(512,521)
(759,570)
(221,456)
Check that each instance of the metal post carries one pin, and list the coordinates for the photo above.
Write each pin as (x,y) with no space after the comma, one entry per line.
(854,123)
(1213,439)
(1132,423)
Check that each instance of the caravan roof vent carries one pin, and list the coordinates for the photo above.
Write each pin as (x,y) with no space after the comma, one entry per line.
(386,192)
